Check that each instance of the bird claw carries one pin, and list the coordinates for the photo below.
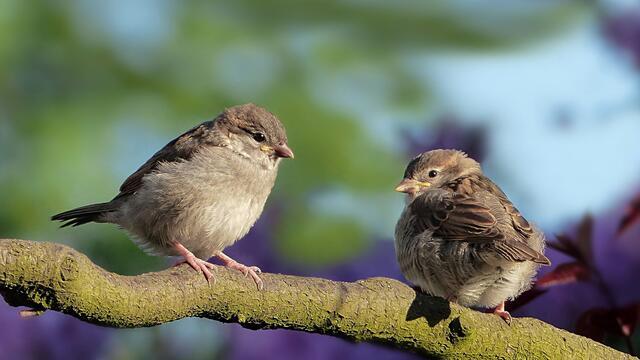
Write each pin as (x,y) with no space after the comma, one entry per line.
(247,269)
(199,265)
(252,271)
(505,316)
(501,312)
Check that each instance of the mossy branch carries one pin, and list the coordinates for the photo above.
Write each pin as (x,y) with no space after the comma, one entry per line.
(55,277)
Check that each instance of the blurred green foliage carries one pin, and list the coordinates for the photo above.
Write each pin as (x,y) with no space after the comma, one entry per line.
(90,89)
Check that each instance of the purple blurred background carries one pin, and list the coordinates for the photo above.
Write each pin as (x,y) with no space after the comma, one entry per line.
(544,95)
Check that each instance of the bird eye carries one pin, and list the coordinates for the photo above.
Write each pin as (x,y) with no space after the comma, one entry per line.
(433,173)
(259,137)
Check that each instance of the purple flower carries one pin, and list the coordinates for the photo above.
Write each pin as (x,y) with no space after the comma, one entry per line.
(49,336)
(286,344)
(624,31)
(616,260)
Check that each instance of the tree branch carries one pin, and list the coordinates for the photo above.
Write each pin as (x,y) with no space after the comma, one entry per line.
(378,310)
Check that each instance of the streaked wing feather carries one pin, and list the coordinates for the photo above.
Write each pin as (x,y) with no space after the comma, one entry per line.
(181,148)
(454,216)
(458,217)
(520,224)
(519,251)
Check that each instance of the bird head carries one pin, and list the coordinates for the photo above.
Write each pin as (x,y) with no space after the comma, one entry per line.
(256,133)
(435,169)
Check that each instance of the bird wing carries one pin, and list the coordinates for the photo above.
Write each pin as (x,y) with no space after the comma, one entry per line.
(520,224)
(181,148)
(457,217)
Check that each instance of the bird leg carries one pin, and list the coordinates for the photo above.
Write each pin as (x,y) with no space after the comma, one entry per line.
(197,264)
(246,270)
(500,311)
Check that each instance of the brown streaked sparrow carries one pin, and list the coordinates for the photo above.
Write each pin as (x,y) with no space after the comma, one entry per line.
(460,238)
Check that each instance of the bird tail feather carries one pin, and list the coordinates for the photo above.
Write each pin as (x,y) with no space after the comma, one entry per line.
(84,214)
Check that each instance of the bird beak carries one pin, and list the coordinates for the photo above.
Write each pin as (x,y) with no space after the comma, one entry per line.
(411,186)
(283,151)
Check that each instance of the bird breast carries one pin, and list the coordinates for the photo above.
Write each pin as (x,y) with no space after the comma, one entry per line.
(457,269)
(205,203)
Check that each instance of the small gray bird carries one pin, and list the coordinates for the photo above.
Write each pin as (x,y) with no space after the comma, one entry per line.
(460,238)
(201,192)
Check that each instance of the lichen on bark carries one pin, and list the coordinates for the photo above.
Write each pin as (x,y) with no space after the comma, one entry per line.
(47,276)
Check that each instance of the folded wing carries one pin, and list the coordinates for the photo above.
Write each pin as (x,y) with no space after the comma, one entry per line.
(457,217)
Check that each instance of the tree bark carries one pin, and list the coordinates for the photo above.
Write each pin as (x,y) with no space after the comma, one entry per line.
(55,277)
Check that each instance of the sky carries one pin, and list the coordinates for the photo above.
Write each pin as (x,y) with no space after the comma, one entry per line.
(561,113)
(563,117)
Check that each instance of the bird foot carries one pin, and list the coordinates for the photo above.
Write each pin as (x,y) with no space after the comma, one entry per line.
(252,271)
(500,311)
(197,264)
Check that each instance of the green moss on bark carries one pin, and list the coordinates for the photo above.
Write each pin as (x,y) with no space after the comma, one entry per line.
(378,310)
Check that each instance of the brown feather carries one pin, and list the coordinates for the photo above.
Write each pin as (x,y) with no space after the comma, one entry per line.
(460,237)
(237,119)
(460,216)
(181,148)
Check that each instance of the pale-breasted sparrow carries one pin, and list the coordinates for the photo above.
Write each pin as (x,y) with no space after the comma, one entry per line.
(201,192)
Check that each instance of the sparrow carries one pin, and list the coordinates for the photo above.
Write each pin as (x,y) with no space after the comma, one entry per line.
(459,237)
(201,192)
